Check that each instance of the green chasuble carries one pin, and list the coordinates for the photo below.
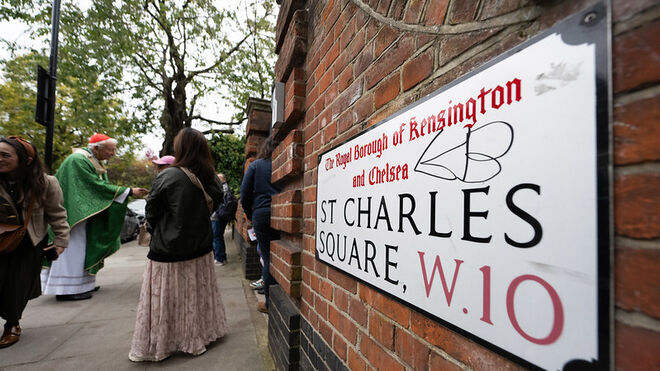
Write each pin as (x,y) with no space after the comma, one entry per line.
(89,196)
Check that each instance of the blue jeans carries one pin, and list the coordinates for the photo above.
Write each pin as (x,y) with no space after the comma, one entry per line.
(261,224)
(219,240)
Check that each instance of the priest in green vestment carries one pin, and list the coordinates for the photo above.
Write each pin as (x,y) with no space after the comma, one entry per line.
(95,210)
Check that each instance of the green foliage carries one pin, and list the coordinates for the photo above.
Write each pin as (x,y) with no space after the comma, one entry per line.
(129,171)
(84,106)
(228,152)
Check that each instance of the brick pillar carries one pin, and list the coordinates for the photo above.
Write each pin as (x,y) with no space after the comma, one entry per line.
(257,129)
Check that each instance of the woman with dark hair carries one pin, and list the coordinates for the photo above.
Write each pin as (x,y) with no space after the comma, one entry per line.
(256,193)
(32,200)
(180,308)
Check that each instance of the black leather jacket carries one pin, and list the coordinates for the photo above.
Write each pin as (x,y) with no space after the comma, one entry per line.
(179,217)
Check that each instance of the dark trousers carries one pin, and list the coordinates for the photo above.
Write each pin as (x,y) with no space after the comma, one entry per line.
(19,279)
(261,224)
(219,250)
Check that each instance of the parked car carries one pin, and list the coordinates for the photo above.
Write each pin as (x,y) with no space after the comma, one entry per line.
(131,227)
(137,206)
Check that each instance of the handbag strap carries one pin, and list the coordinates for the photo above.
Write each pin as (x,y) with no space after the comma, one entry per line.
(195,180)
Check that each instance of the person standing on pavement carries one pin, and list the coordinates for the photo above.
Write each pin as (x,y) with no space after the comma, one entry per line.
(31,198)
(256,195)
(180,306)
(95,210)
(219,219)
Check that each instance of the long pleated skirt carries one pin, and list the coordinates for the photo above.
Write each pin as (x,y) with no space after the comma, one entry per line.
(180,309)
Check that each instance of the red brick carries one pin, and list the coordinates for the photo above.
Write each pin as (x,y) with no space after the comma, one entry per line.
(411,350)
(286,225)
(306,294)
(345,79)
(321,307)
(287,251)
(325,289)
(462,11)
(492,9)
(464,350)
(637,283)
(342,324)
(359,312)
(413,11)
(294,47)
(329,132)
(390,60)
(635,55)
(363,108)
(637,205)
(309,243)
(355,362)
(287,9)
(377,356)
(385,305)
(353,47)
(310,194)
(439,363)
(454,45)
(387,90)
(417,70)
(325,81)
(637,131)
(436,12)
(363,60)
(344,122)
(396,11)
(342,280)
(381,330)
(383,6)
(384,38)
(315,283)
(309,227)
(287,197)
(287,211)
(349,32)
(635,348)
(326,332)
(339,345)
(341,300)
(622,9)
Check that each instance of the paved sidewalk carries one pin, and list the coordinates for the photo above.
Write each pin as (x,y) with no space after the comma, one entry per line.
(95,334)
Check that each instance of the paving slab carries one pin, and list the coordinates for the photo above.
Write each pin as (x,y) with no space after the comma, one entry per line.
(96,334)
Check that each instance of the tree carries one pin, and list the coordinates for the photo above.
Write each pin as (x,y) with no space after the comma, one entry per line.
(228,155)
(158,60)
(88,94)
(180,51)
(84,106)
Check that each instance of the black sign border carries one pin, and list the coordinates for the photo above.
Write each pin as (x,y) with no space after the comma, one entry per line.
(593,26)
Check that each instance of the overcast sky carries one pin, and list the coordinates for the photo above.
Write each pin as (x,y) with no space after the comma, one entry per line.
(213,106)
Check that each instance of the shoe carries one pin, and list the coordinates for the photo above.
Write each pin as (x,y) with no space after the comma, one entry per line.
(261,291)
(220,263)
(261,307)
(256,285)
(72,297)
(10,336)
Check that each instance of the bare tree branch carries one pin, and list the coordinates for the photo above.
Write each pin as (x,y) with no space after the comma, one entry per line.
(199,117)
(220,61)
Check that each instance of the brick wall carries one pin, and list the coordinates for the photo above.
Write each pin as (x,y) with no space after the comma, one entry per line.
(345,70)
